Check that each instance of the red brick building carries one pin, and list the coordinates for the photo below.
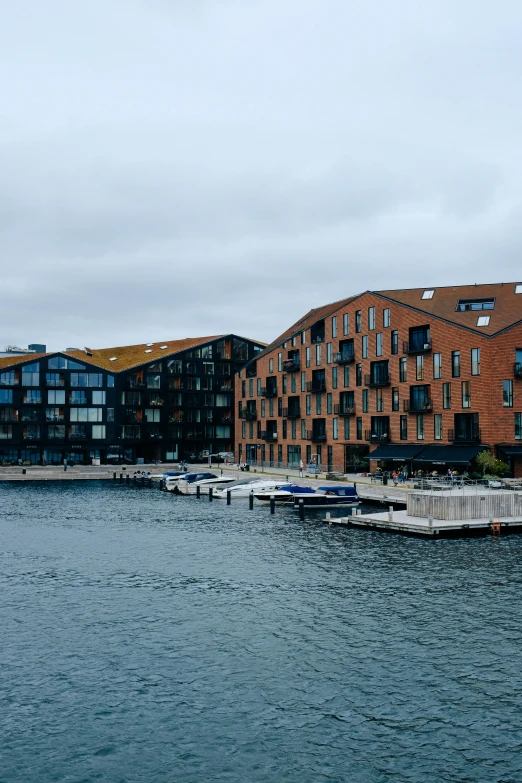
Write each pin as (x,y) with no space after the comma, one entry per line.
(425,378)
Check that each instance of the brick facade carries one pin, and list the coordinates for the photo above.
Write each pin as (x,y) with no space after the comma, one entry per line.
(492,425)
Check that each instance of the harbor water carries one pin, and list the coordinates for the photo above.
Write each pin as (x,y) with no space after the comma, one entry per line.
(149,637)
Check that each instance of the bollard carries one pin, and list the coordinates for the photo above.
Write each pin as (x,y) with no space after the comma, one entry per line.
(430,522)
(328,516)
(127,478)
(114,476)
(134,480)
(221,471)
(287,478)
(210,493)
(65,468)
(301,510)
(390,513)
(121,477)
(198,491)
(251,500)
(355,485)
(272,504)
(229,497)
(24,472)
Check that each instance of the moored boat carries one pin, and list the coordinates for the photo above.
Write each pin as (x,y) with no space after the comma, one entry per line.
(284,495)
(328,496)
(243,487)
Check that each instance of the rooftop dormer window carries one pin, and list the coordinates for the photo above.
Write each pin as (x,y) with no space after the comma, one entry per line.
(518,288)
(428,294)
(464,305)
(483,320)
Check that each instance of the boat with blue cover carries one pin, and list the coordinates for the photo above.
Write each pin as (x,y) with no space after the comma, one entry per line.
(328,496)
(284,495)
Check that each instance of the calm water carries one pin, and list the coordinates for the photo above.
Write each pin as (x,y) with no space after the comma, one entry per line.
(146,637)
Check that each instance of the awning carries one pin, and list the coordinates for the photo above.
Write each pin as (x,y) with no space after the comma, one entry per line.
(510,451)
(394,452)
(449,455)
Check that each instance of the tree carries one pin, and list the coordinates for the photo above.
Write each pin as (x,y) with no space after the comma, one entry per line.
(490,464)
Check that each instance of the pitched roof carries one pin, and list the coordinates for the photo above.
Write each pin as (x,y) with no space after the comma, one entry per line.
(14,361)
(507,310)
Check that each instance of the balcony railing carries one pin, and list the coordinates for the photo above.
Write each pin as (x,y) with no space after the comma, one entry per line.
(11,382)
(518,370)
(248,415)
(471,436)
(374,437)
(344,357)
(269,391)
(54,384)
(382,379)
(226,387)
(133,383)
(316,437)
(291,365)
(418,406)
(316,386)
(416,346)
(344,410)
(292,413)
(319,338)
(78,401)
(268,435)
(8,420)
(78,436)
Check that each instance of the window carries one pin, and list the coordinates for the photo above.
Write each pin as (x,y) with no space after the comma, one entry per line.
(258,390)
(437,365)
(395,342)
(54,379)
(6,431)
(446,395)
(308,404)
(346,324)
(329,402)
(365,401)
(455,364)
(419,367)
(32,396)
(86,379)
(6,396)
(379,400)
(293,383)
(378,344)
(110,414)
(358,322)
(403,370)
(329,353)
(263,407)
(308,356)
(475,361)
(293,425)
(54,414)
(318,355)
(251,387)
(428,294)
(518,426)
(466,394)
(508,394)
(285,384)
(437,426)
(335,429)
(386,318)
(395,398)
(404,428)
(285,429)
(98,398)
(518,288)
(475,304)
(31,374)
(110,381)
(420,427)
(346,377)
(318,404)
(152,415)
(365,346)
(358,374)
(56,397)
(243,389)
(334,377)
(8,378)
(56,431)
(98,431)
(359,428)
(371,318)
(303,337)
(347,428)
(483,320)
(86,414)
(243,429)
(271,407)
(270,366)
(334,326)
(303,381)
(279,362)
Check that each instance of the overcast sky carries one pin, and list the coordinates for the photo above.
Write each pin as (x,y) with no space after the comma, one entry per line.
(188,167)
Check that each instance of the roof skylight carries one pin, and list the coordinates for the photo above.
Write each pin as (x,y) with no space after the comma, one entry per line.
(428,294)
(518,288)
(112,358)
(149,344)
(162,347)
(148,350)
(483,320)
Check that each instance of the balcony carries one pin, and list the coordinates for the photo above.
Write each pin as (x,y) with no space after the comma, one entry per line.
(374,437)
(78,436)
(195,435)
(134,383)
(472,435)
(416,346)
(382,379)
(418,406)
(226,387)
(316,437)
(343,410)
(269,391)
(9,381)
(291,365)
(226,419)
(248,415)
(157,402)
(292,413)
(317,387)
(55,383)
(344,357)
(268,435)
(251,372)
(518,370)
(78,401)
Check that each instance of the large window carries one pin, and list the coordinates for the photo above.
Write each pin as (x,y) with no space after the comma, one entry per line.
(98,431)
(153,381)
(54,379)
(31,374)
(6,431)
(98,398)
(437,365)
(152,415)
(507,394)
(56,431)
(61,363)
(86,379)
(56,397)
(33,396)
(6,396)
(54,414)
(86,414)
(8,378)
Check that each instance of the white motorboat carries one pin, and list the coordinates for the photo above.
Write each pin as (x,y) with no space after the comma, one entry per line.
(284,495)
(243,487)
(215,483)
(171,482)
